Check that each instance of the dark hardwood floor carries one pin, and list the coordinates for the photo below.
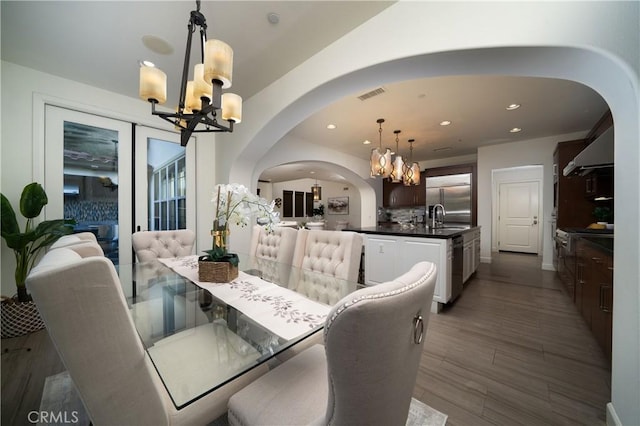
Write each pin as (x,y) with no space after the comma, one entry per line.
(512,350)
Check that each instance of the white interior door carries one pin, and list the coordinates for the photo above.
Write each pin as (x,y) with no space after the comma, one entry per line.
(518,220)
(165,181)
(88,176)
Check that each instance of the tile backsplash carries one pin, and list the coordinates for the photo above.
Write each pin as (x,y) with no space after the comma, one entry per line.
(91,211)
(405,214)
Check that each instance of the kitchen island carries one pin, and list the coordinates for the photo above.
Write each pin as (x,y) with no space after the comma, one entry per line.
(391,250)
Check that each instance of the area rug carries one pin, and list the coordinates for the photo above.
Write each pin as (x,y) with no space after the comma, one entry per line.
(60,396)
(420,414)
(61,403)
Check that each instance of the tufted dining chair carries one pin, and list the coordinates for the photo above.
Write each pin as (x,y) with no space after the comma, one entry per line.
(365,373)
(151,245)
(326,264)
(71,239)
(81,301)
(272,252)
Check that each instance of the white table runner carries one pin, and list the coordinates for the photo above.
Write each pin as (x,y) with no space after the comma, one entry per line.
(284,312)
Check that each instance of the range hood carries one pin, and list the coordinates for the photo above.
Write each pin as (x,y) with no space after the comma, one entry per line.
(597,154)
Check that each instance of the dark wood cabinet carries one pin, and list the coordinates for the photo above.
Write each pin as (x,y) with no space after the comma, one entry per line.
(594,291)
(573,210)
(599,185)
(398,195)
(566,268)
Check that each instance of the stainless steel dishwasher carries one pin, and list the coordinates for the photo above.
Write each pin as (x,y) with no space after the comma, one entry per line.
(456,267)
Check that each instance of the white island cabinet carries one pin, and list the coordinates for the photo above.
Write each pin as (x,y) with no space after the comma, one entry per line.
(470,253)
(389,256)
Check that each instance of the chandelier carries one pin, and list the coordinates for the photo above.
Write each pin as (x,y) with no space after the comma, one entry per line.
(411,175)
(398,164)
(200,98)
(316,190)
(381,163)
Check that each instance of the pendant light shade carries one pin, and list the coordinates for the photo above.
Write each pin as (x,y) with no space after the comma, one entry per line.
(201,103)
(316,190)
(411,175)
(381,161)
(398,163)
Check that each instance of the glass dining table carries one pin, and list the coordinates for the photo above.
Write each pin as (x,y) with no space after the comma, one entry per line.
(200,336)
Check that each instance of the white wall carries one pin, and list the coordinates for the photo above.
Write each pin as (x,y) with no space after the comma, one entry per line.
(23,133)
(266,190)
(524,153)
(329,189)
(593,43)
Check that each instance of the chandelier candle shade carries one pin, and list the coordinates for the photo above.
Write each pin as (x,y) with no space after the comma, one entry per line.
(381,163)
(316,190)
(411,175)
(200,98)
(398,163)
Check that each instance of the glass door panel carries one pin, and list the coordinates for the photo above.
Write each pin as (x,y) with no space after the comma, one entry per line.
(88,176)
(165,181)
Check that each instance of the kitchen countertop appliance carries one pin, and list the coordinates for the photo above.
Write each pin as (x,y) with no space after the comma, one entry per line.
(454,193)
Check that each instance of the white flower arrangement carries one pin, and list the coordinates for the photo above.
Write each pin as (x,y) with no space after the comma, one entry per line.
(236,205)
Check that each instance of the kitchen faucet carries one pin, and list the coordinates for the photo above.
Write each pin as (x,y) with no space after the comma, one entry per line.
(434,214)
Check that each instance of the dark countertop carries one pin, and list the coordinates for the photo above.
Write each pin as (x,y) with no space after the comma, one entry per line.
(589,231)
(419,231)
(603,243)
(599,238)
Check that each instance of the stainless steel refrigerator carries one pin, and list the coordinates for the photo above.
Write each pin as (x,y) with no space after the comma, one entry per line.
(454,193)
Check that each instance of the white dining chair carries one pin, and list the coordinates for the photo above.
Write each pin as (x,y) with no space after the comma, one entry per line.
(326,264)
(85,312)
(365,373)
(71,239)
(151,245)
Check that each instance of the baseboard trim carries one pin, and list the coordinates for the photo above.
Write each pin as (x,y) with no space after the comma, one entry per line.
(485,259)
(612,417)
(548,267)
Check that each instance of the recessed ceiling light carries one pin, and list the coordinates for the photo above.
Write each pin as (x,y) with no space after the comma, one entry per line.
(515,130)
(312,172)
(512,107)
(331,126)
(147,64)
(93,166)
(273,18)
(157,45)
(367,142)
(445,123)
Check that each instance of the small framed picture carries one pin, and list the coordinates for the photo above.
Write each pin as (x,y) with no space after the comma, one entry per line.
(338,205)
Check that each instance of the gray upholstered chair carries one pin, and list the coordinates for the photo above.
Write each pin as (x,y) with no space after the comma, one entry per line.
(326,264)
(84,309)
(366,372)
(151,245)
(79,238)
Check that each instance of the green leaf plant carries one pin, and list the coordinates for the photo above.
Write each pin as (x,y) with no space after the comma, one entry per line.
(28,245)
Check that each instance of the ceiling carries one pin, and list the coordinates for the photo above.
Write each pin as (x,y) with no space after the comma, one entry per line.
(67,39)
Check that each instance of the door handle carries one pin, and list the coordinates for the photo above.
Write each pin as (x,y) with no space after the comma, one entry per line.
(535,222)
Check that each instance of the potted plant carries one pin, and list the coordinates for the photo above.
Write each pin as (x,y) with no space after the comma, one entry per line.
(318,212)
(602,214)
(234,204)
(27,246)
